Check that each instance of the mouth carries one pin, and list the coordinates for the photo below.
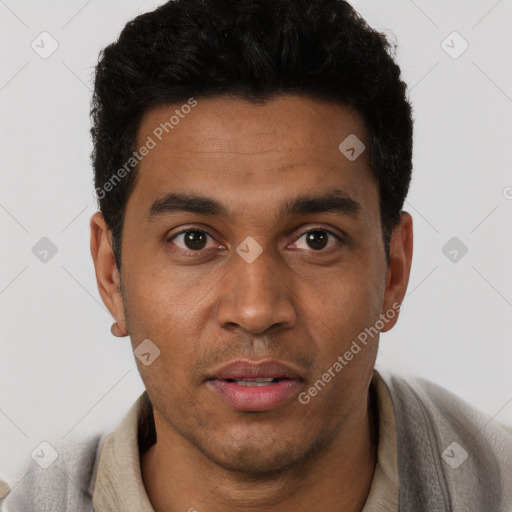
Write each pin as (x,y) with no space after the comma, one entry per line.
(262,381)
(255,386)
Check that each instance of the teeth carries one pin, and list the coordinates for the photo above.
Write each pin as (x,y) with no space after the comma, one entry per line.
(262,381)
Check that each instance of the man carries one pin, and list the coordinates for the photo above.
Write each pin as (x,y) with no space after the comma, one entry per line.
(251,162)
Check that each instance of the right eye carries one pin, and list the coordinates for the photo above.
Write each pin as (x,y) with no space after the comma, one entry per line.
(191,240)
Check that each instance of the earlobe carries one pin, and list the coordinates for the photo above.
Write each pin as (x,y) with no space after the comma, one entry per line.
(107,275)
(399,268)
(118,331)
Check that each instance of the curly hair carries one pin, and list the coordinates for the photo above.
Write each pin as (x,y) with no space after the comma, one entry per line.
(254,50)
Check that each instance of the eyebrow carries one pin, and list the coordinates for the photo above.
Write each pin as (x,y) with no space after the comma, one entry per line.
(332,201)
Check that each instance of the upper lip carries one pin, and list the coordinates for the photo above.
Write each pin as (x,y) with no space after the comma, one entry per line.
(246,369)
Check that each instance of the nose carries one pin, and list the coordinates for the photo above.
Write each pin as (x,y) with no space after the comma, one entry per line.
(257,296)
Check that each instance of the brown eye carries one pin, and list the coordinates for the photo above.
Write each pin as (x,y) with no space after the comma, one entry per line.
(191,240)
(195,239)
(317,239)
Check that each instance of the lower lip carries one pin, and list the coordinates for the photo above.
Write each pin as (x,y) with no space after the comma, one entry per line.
(255,398)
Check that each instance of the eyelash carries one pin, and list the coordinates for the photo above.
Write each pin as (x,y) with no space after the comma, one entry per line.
(202,251)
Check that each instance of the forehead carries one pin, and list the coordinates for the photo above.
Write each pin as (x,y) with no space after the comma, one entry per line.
(233,125)
(237,150)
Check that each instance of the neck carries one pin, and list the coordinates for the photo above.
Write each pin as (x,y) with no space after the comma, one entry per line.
(178,478)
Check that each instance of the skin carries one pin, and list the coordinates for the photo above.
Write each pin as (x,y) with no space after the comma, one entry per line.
(296,303)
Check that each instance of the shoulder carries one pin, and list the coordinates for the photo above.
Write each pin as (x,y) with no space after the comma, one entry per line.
(58,477)
(433,401)
(449,452)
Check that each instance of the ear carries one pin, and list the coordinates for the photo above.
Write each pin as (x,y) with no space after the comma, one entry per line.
(399,268)
(107,275)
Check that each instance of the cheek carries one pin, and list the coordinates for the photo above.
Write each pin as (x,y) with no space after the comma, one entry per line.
(346,302)
(168,316)
(340,318)
(154,299)
(346,344)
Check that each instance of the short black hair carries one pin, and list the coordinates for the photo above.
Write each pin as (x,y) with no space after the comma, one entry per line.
(255,50)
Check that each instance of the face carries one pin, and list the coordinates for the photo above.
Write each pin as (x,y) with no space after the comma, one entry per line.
(252,258)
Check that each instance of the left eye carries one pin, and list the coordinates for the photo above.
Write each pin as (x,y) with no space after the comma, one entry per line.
(316,239)
(192,240)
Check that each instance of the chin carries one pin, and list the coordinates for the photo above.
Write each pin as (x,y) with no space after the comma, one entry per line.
(253,457)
